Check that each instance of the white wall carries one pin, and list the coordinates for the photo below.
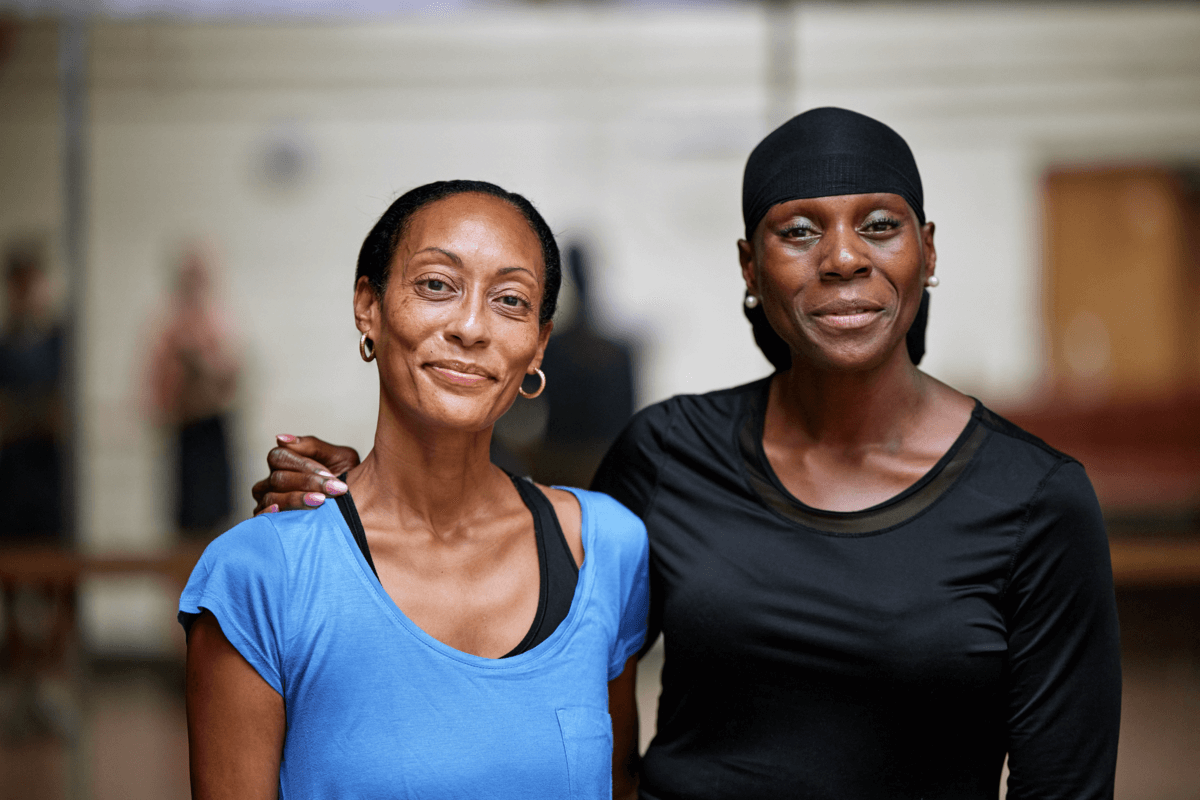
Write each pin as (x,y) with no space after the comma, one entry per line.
(628,126)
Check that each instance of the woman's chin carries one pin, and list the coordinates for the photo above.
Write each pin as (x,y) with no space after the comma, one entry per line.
(854,355)
(463,413)
(444,406)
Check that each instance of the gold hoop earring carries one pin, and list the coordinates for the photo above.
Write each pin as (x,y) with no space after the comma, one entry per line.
(367,351)
(530,395)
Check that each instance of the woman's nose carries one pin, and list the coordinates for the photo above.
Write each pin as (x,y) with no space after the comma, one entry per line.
(468,321)
(845,256)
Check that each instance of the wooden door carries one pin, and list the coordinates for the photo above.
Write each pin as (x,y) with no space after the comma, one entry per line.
(1121,303)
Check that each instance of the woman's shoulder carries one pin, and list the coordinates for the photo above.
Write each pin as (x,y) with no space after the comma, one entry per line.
(1020,440)
(683,426)
(603,507)
(240,574)
(687,414)
(1020,466)
(251,539)
(607,519)
(259,558)
(265,541)
(720,402)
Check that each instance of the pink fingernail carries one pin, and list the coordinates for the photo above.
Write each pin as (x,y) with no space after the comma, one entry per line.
(335,487)
(271,509)
(314,499)
(324,473)
(285,438)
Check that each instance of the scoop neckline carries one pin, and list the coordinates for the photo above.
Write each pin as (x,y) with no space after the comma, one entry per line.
(548,646)
(879,518)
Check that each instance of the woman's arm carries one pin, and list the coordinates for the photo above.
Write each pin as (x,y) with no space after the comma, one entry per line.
(236,721)
(1064,660)
(622,707)
(302,467)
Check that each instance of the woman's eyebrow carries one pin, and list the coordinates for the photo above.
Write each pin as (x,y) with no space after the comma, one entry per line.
(452,256)
(506,270)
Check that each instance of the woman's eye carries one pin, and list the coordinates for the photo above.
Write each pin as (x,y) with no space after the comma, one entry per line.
(512,301)
(882,225)
(434,285)
(798,231)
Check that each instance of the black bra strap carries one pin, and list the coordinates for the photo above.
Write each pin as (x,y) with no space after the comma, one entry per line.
(559,572)
(545,522)
(534,500)
(350,514)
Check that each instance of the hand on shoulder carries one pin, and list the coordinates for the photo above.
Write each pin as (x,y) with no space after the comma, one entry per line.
(303,470)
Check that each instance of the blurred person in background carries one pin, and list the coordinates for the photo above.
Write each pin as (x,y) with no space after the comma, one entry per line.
(192,379)
(444,629)
(32,413)
(592,396)
(38,609)
(869,584)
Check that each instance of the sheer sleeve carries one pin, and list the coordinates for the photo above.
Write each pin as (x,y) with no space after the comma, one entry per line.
(1064,689)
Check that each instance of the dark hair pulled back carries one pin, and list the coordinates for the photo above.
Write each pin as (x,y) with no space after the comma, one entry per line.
(378,249)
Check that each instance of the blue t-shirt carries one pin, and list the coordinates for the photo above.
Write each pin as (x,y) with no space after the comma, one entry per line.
(377,708)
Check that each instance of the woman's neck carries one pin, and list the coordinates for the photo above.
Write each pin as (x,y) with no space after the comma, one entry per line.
(428,477)
(849,409)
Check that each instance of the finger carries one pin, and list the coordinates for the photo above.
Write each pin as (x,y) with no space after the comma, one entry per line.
(290,501)
(293,485)
(259,489)
(318,450)
(286,460)
(281,482)
(271,509)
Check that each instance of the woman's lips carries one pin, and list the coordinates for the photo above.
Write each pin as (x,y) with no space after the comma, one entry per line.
(459,374)
(850,319)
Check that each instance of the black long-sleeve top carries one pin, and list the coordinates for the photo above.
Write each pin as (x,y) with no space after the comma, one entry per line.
(897,652)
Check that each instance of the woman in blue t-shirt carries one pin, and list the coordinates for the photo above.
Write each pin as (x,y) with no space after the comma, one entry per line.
(444,629)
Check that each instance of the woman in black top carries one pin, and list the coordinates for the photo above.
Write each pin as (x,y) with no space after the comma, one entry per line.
(869,585)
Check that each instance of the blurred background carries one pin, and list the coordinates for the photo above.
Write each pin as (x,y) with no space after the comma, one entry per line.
(184,187)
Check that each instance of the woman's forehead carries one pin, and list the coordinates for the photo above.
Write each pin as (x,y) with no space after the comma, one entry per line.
(476,221)
(857,201)
(466,207)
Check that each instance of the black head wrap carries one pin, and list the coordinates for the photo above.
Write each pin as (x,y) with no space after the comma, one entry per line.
(822,153)
(826,152)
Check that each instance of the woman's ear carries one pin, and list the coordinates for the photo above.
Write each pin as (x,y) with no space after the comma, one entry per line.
(746,257)
(543,338)
(366,307)
(930,251)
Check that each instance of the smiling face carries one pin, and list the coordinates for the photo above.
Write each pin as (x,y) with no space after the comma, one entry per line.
(457,327)
(840,278)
